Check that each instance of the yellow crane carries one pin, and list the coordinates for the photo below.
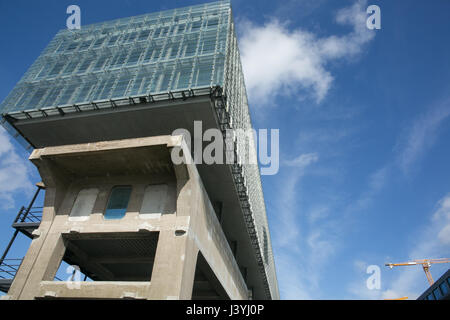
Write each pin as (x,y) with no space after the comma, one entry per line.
(426,264)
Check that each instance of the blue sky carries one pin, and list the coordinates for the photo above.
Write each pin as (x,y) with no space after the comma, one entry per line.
(364,120)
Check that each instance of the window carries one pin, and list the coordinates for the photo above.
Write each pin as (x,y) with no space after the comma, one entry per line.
(67,94)
(84,203)
(134,56)
(57,68)
(100,63)
(437,294)
(143,35)
(112,41)
(130,37)
(84,66)
(203,74)
(121,86)
(72,46)
(444,287)
(154,200)
(118,202)
(51,97)
(184,75)
(83,94)
(212,22)
(70,67)
(191,45)
(98,43)
(84,45)
(196,25)
(37,98)
(181,28)
(119,59)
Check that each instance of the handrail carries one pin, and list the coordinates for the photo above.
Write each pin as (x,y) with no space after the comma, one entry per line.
(10,268)
(22,216)
(33,215)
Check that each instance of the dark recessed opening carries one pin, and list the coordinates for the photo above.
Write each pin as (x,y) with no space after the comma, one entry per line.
(113,257)
(179,233)
(206,285)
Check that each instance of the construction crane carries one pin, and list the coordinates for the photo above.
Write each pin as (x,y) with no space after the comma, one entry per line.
(426,264)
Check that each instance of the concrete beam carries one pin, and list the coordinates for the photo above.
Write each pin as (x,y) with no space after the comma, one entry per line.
(94,290)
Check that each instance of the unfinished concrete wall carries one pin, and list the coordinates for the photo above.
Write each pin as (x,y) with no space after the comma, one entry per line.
(183,217)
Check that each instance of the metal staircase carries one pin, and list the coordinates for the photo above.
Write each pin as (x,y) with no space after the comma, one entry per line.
(27,220)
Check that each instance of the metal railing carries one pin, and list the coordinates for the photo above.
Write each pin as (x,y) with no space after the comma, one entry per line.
(26,215)
(30,215)
(9,268)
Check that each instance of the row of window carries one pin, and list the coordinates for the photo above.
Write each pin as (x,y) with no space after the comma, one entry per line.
(159,51)
(119,198)
(70,45)
(185,74)
(441,291)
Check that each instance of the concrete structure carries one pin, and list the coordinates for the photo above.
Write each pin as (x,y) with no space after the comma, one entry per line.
(99,107)
(143,255)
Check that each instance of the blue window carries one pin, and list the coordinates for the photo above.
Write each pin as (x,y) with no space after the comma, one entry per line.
(118,202)
(430,297)
(444,287)
(437,294)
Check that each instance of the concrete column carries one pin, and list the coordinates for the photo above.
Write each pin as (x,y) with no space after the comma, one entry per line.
(56,183)
(44,268)
(175,262)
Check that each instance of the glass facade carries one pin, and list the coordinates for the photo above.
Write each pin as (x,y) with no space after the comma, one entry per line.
(161,52)
(444,288)
(437,293)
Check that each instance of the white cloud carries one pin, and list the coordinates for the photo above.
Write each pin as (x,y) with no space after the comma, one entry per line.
(14,172)
(421,135)
(377,180)
(444,235)
(303,160)
(321,245)
(293,269)
(278,61)
(302,244)
(289,201)
(292,277)
(441,220)
(318,213)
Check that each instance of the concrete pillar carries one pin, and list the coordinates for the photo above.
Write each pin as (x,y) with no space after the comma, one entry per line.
(174,268)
